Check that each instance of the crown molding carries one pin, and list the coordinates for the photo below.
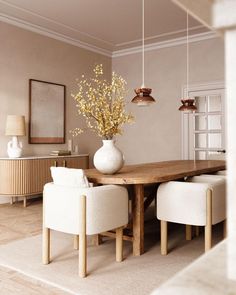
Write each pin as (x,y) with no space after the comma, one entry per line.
(52,34)
(165,44)
(154,38)
(109,53)
(50,20)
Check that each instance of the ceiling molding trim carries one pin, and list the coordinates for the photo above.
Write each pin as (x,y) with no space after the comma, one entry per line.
(50,20)
(52,34)
(166,44)
(154,38)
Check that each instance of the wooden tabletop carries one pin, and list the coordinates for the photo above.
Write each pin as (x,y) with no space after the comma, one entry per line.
(156,172)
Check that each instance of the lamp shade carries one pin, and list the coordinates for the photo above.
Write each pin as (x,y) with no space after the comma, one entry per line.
(15,125)
(143,97)
(187,105)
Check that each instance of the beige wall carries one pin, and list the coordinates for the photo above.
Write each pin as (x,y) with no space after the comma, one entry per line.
(25,55)
(156,134)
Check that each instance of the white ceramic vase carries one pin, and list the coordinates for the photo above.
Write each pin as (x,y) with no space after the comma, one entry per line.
(108,159)
(14,148)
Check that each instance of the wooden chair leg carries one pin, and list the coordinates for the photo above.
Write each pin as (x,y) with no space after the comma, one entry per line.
(24,202)
(97,240)
(46,245)
(225,228)
(208,227)
(130,206)
(76,242)
(83,239)
(119,244)
(197,231)
(188,232)
(164,242)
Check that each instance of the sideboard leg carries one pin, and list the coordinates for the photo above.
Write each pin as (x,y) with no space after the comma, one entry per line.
(12,201)
(24,202)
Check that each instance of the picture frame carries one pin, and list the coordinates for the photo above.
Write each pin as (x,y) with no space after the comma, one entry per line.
(46,112)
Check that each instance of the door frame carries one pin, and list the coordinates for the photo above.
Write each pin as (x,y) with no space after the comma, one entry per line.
(185,125)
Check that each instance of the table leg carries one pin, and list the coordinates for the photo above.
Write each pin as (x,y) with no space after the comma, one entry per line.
(138,220)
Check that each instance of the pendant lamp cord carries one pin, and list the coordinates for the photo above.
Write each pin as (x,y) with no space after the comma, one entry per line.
(143,65)
(187,49)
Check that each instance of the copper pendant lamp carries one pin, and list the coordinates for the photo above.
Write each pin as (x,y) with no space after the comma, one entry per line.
(188,103)
(143,97)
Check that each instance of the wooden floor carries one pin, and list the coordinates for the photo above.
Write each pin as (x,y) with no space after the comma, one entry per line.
(17,223)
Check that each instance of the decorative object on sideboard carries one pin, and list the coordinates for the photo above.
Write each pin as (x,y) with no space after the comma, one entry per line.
(188,104)
(76,149)
(15,126)
(102,104)
(46,112)
(143,97)
(60,153)
(70,145)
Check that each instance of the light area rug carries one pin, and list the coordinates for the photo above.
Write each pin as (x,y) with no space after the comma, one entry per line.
(135,275)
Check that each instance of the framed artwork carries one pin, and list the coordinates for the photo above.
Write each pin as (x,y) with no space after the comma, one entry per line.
(46,112)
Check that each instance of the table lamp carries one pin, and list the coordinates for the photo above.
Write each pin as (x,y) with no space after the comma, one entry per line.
(15,126)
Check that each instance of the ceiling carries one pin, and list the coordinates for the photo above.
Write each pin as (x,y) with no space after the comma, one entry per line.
(109,25)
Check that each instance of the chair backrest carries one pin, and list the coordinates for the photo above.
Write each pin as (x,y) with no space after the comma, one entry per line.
(69,177)
(185,202)
(207,178)
(217,184)
(106,208)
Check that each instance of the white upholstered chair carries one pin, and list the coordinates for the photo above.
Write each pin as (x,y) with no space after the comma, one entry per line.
(81,212)
(222,172)
(199,202)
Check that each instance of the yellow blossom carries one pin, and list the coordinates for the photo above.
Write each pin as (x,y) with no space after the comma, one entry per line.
(102,104)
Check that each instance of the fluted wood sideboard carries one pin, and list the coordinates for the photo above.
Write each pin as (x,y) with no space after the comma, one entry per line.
(24,177)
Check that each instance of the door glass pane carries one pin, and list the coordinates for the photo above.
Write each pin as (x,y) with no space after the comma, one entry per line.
(200,140)
(214,103)
(200,102)
(200,123)
(216,156)
(214,122)
(200,155)
(214,140)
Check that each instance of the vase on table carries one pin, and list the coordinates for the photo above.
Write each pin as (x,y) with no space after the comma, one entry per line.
(108,159)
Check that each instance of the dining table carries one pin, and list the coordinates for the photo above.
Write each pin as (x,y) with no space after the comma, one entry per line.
(139,177)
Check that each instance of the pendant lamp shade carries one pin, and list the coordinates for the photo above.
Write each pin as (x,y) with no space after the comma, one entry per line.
(143,97)
(188,103)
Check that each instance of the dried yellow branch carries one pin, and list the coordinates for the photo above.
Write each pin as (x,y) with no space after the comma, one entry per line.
(102,104)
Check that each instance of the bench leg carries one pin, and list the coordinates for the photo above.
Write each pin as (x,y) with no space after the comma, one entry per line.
(164,242)
(208,227)
(225,228)
(83,240)
(188,232)
(197,230)
(119,244)
(46,245)
(76,242)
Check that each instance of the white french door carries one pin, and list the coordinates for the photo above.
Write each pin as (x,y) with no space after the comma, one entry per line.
(204,130)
